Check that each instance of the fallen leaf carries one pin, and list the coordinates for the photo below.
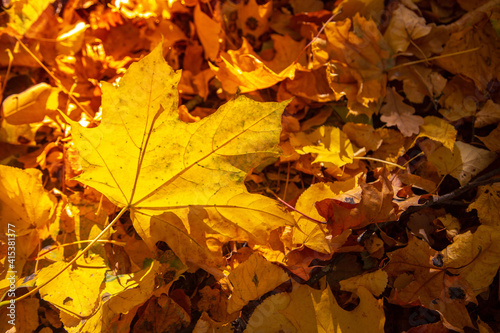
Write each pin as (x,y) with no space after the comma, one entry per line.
(419,81)
(404,27)
(30,106)
(25,203)
(252,279)
(254,19)
(421,279)
(357,57)
(23,14)
(489,114)
(311,234)
(482,65)
(475,256)
(487,205)
(214,302)
(329,145)
(78,288)
(392,147)
(163,314)
(375,282)
(160,184)
(439,130)
(312,310)
(286,52)
(208,32)
(363,136)
(465,162)
(492,140)
(458,100)
(206,325)
(243,69)
(397,113)
(375,206)
(311,84)
(119,296)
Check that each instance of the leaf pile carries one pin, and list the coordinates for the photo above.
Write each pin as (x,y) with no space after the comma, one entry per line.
(251,166)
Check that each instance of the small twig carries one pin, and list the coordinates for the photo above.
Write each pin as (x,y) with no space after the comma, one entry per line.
(450,197)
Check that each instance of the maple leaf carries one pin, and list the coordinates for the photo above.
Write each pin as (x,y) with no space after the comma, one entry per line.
(328,144)
(420,279)
(311,234)
(25,210)
(243,69)
(475,256)
(23,14)
(397,113)
(463,163)
(309,310)
(182,182)
(404,27)
(252,279)
(358,57)
(208,32)
(78,291)
(439,130)
(375,206)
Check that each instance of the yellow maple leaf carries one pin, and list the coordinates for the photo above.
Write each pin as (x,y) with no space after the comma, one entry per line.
(25,202)
(183,183)
(243,69)
(328,144)
(311,234)
(476,256)
(375,282)
(439,130)
(309,310)
(77,290)
(487,204)
(252,279)
(23,14)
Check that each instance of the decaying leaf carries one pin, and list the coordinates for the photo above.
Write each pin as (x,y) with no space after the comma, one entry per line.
(420,279)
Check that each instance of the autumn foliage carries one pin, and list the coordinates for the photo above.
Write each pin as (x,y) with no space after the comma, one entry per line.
(250,166)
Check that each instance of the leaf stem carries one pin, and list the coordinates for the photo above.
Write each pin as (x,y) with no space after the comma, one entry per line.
(4,303)
(78,242)
(433,58)
(57,81)
(294,209)
(378,160)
